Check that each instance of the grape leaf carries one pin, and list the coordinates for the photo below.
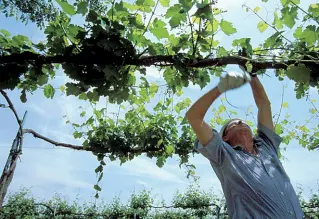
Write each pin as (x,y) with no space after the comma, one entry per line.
(72,89)
(277,22)
(97,188)
(48,91)
(5,33)
(160,161)
(262,26)
(212,26)
(289,16)
(285,2)
(299,73)
(298,33)
(153,89)
(66,7)
(23,96)
(249,66)
(173,13)
(227,27)
(158,29)
(164,3)
(170,150)
(256,9)
(273,40)
(93,96)
(310,35)
(82,8)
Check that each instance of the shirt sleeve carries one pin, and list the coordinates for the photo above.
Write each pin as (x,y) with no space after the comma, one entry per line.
(269,137)
(214,150)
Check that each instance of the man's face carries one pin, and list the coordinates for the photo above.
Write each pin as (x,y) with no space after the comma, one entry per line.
(236,129)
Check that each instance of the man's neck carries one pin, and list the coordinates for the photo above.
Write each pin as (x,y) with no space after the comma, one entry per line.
(246,143)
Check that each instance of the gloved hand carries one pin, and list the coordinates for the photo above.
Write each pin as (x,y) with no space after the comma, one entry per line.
(233,80)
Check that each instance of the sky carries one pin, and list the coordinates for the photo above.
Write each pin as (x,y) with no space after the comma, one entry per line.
(47,170)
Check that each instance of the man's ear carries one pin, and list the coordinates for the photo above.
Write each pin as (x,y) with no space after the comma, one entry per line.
(225,138)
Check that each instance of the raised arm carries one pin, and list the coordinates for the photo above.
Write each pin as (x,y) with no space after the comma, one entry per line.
(262,102)
(195,116)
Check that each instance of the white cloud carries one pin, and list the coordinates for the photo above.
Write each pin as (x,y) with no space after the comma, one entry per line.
(194,86)
(230,4)
(154,72)
(143,167)
(143,183)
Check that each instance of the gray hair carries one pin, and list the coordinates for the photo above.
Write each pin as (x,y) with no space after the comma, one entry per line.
(221,132)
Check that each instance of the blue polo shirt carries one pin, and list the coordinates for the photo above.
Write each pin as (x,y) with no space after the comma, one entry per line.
(255,186)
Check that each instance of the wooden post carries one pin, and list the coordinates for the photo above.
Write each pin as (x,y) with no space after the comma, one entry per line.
(11,163)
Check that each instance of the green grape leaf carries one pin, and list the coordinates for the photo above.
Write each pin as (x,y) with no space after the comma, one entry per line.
(170,150)
(249,66)
(262,26)
(100,177)
(212,26)
(310,35)
(82,8)
(82,114)
(298,34)
(164,3)
(160,161)
(299,73)
(284,105)
(173,40)
(5,32)
(93,96)
(256,9)
(42,80)
(278,23)
(153,89)
(173,13)
(48,91)
(227,27)
(158,29)
(83,96)
(23,96)
(273,40)
(97,188)
(278,129)
(289,16)
(221,52)
(72,89)
(244,43)
(286,2)
(66,7)
(77,134)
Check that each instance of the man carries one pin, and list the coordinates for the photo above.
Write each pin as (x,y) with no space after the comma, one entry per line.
(254,182)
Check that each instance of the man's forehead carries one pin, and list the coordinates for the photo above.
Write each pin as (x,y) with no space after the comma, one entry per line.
(235,121)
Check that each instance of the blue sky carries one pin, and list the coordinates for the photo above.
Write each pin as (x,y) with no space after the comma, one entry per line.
(48,170)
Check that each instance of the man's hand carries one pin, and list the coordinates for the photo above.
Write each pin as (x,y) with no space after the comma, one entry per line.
(233,80)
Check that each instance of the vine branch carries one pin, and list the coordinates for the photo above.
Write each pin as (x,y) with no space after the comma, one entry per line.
(159,60)
(4,94)
(273,27)
(37,135)
(301,9)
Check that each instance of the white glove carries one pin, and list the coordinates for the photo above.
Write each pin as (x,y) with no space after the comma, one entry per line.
(233,80)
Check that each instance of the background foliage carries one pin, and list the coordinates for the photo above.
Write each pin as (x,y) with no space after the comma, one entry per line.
(193,203)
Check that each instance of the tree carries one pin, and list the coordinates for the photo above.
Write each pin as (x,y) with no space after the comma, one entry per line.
(133,36)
